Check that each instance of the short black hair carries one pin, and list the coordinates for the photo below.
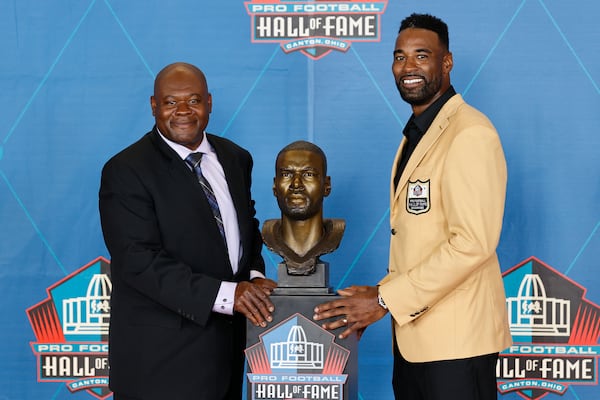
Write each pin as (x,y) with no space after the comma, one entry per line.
(429,22)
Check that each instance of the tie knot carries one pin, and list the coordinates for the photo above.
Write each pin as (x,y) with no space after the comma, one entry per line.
(194,159)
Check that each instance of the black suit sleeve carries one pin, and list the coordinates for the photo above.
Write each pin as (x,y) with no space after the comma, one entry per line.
(256,261)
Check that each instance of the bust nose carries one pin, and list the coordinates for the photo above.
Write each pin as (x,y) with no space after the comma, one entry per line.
(297,181)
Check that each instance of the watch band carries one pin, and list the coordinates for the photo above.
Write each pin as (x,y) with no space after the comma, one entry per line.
(380,300)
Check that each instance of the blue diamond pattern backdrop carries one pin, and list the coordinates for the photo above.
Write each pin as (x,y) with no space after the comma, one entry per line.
(76,77)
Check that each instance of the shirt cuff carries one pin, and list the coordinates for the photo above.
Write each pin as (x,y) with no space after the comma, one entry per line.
(225,297)
(256,274)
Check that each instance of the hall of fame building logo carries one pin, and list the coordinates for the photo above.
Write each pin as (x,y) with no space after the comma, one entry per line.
(71,330)
(315,27)
(555,330)
(296,359)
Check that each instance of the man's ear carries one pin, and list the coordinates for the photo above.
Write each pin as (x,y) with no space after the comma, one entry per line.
(274,188)
(153,105)
(327,186)
(448,62)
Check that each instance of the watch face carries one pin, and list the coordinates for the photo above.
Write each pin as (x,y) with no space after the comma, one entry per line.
(380,301)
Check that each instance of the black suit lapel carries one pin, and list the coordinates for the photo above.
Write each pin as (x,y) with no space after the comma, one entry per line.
(175,165)
(187,183)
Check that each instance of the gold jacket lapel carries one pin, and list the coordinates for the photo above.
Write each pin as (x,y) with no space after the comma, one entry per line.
(439,124)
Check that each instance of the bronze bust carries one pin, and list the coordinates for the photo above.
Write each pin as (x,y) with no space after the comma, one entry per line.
(300,184)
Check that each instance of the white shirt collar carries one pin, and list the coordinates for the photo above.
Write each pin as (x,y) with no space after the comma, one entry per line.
(183,151)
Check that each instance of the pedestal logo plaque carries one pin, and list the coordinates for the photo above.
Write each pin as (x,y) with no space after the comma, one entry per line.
(294,358)
(297,359)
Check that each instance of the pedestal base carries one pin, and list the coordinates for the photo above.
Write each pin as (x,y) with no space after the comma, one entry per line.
(313,284)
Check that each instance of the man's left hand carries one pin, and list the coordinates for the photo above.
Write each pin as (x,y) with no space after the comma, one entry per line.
(358,308)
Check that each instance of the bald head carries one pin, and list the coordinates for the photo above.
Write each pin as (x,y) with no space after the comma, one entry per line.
(177,67)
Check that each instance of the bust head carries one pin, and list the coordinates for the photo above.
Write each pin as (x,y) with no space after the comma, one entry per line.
(301,181)
(300,185)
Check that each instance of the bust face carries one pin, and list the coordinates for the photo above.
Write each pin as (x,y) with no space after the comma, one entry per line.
(300,184)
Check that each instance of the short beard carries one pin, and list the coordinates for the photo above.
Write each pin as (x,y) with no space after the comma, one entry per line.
(423,95)
(299,213)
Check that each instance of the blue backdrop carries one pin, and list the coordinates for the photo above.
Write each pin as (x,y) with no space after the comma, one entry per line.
(76,77)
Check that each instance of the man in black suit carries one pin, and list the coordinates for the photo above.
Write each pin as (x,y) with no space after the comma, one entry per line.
(184,276)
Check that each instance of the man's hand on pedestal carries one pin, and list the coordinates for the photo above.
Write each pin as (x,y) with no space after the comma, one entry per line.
(358,308)
(252,300)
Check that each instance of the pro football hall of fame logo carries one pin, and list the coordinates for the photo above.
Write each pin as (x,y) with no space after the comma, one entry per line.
(71,330)
(315,27)
(555,331)
(296,359)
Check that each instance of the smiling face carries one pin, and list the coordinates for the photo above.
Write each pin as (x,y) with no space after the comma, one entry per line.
(300,184)
(181,104)
(421,67)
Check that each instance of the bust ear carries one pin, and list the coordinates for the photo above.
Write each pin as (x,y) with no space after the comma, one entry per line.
(327,186)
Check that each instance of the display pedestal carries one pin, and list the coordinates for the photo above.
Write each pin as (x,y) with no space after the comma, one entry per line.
(294,358)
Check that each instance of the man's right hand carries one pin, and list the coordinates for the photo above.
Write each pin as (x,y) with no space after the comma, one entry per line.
(252,300)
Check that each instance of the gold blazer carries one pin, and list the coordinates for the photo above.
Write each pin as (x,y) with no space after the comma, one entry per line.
(444,286)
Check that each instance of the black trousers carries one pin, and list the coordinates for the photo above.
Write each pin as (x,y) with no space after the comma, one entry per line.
(464,379)
(236,362)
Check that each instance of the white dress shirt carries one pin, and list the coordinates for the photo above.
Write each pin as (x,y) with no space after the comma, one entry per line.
(214,174)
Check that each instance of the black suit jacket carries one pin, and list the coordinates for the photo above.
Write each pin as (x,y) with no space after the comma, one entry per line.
(167,263)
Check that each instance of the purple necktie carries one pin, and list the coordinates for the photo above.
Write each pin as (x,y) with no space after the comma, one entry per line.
(194,160)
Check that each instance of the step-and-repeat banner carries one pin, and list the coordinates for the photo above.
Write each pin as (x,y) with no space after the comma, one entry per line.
(76,77)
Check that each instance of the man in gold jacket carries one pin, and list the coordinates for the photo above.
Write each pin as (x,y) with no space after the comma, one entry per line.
(444,286)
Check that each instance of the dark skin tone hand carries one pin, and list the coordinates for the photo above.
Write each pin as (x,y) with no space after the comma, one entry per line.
(357,309)
(252,300)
